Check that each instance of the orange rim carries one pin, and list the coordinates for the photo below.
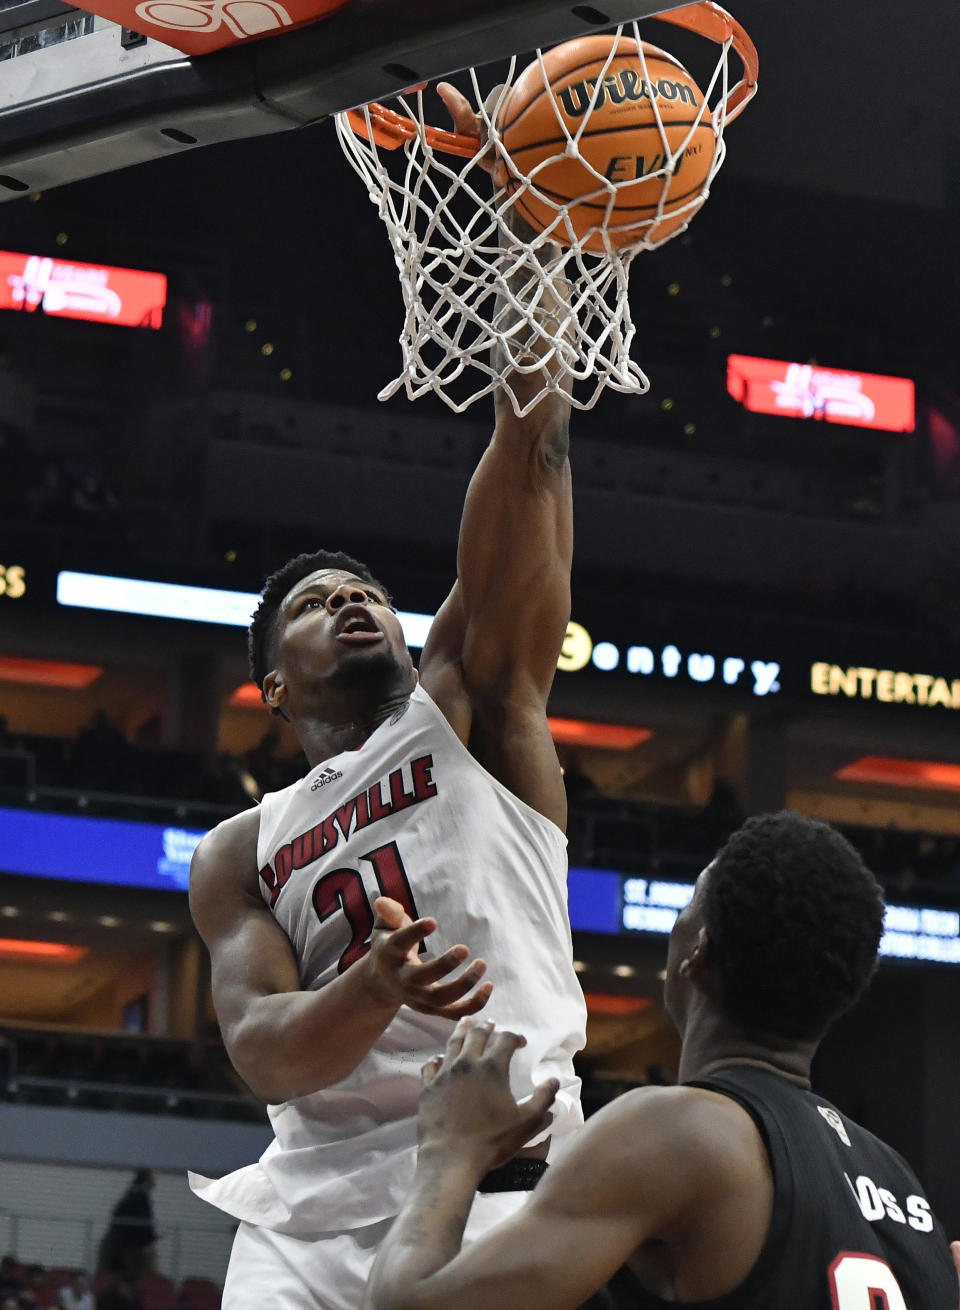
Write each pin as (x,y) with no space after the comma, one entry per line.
(390,130)
(717,25)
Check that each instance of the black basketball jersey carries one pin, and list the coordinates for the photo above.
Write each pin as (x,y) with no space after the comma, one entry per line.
(851,1228)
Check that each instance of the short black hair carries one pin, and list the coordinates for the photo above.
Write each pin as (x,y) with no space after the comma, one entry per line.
(264,622)
(794,919)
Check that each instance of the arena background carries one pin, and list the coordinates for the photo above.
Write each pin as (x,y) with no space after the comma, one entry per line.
(807,560)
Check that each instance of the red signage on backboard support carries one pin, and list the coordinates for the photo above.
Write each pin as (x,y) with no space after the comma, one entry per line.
(866,400)
(198,27)
(37,284)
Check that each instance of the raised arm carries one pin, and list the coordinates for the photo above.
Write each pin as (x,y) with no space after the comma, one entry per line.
(491,656)
(285,1042)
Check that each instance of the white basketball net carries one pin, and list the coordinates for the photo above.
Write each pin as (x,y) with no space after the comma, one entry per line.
(479,302)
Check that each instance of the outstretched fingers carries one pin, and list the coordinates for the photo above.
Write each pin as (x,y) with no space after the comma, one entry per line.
(431,969)
(404,940)
(389,914)
(466,120)
(458,999)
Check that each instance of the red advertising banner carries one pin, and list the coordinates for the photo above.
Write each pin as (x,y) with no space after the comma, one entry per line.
(199,26)
(38,284)
(866,400)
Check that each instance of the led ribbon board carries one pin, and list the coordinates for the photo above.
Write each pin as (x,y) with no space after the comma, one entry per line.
(169,600)
(889,686)
(866,400)
(157,856)
(110,851)
(757,677)
(605,901)
(38,284)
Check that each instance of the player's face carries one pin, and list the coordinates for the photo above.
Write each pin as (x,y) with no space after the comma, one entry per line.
(334,625)
(683,940)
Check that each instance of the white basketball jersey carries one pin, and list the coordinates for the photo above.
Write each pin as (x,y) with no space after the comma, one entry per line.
(411,815)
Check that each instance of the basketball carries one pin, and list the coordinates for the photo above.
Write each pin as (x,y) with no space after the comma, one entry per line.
(629,176)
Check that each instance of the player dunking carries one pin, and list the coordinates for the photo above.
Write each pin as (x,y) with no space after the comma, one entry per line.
(741,1189)
(430,801)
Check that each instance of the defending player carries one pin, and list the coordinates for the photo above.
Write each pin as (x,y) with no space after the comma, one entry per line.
(438,801)
(740,1189)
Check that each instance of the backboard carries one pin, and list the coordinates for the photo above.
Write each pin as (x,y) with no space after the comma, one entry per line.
(82,95)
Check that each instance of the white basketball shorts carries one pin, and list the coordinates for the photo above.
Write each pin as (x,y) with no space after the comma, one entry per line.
(327,1271)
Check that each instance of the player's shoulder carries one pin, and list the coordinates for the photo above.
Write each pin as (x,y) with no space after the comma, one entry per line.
(223,875)
(680,1144)
(691,1101)
(229,847)
(679,1120)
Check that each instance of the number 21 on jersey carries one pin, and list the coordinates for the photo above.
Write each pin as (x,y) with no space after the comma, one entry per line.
(343,889)
(863,1282)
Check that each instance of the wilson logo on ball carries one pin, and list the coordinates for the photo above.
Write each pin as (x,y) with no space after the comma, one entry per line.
(623,87)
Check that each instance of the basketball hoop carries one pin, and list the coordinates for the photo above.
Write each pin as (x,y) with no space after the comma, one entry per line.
(474,292)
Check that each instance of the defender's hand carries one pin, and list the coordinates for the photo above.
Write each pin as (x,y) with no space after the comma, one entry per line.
(466,1103)
(955,1252)
(398,974)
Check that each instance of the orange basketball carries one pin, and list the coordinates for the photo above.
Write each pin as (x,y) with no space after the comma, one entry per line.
(618,172)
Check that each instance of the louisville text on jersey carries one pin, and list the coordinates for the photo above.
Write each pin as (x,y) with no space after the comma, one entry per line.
(405,786)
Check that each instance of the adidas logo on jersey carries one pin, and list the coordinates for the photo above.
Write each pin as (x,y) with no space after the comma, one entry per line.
(835,1122)
(328,775)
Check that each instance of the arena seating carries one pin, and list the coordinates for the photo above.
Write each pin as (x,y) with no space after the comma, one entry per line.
(156,1292)
(106,1071)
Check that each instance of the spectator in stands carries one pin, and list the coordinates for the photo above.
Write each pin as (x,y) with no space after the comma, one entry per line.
(14,760)
(100,754)
(722,814)
(120,1295)
(31,1295)
(127,1248)
(11,1278)
(76,1295)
